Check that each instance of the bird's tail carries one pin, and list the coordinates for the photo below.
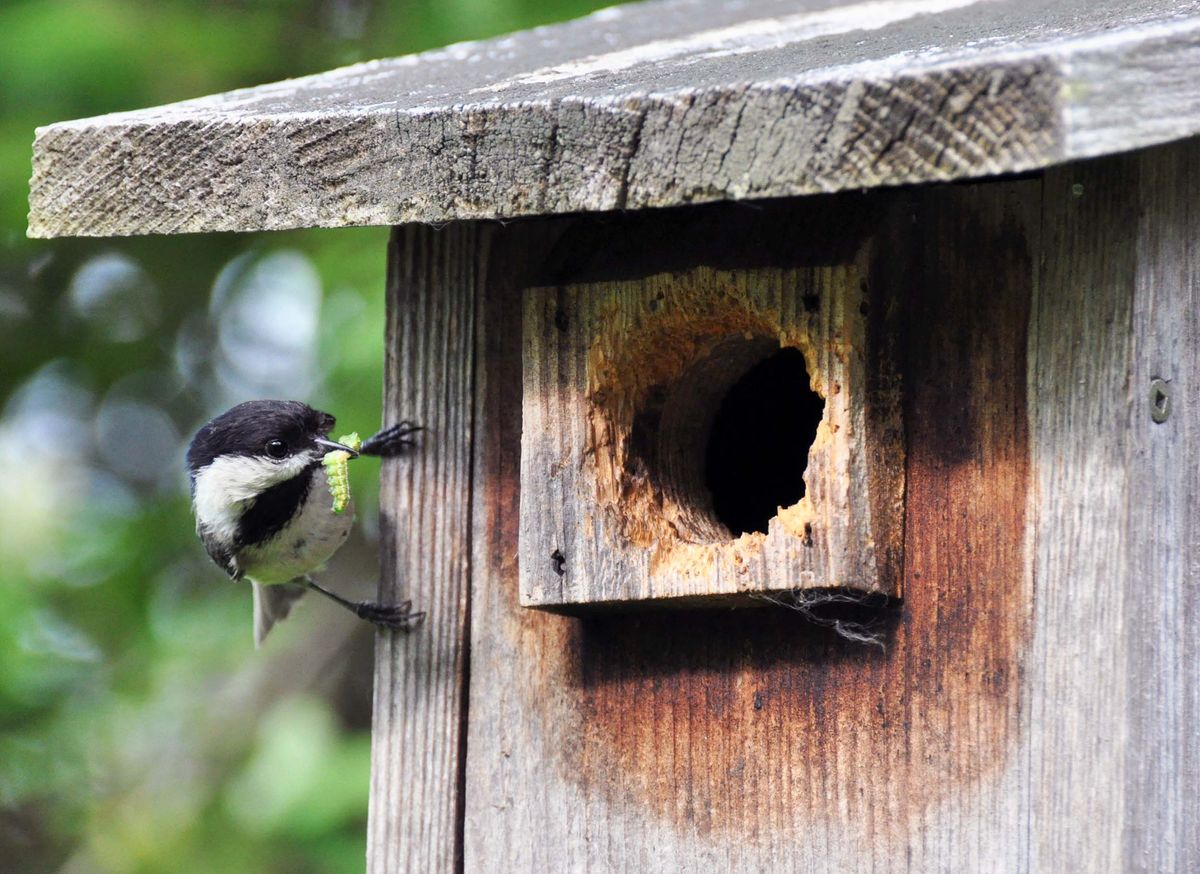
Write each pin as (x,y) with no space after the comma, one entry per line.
(272,604)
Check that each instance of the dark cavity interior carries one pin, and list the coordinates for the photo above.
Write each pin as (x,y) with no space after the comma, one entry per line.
(759,441)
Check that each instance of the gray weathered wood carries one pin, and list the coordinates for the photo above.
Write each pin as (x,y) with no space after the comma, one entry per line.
(1037,705)
(415,811)
(610,366)
(1162,584)
(652,104)
(1076,700)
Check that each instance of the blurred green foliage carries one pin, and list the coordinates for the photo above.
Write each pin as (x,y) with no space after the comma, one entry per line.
(139,731)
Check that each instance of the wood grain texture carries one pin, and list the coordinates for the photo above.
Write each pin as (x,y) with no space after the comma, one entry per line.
(1161,606)
(622,384)
(1077,690)
(1037,706)
(746,740)
(420,677)
(645,105)
(1114,681)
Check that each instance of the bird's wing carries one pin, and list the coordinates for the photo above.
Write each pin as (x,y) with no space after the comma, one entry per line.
(272,604)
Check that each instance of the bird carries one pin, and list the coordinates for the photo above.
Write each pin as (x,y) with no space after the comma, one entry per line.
(263,507)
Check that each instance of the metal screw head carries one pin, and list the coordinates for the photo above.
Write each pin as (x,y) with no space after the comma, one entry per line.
(1160,400)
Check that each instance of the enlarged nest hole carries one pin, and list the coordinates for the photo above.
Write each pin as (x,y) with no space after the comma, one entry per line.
(727,443)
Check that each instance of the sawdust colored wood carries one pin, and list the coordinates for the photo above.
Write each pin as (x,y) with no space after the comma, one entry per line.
(420,680)
(624,383)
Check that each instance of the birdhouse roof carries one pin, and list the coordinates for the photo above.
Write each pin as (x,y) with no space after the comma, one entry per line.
(639,106)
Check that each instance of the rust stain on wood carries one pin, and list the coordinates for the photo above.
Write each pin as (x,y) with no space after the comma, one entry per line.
(754,720)
(739,730)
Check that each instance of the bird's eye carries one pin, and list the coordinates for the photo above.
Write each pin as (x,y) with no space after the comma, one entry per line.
(276,448)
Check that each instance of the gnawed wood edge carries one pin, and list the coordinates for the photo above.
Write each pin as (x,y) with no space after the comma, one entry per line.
(628,525)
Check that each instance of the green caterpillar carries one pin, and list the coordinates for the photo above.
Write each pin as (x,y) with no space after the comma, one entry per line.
(337,471)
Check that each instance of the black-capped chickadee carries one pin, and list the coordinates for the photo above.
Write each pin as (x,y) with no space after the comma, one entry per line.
(263,504)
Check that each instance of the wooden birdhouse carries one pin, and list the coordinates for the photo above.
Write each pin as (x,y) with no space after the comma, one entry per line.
(833,366)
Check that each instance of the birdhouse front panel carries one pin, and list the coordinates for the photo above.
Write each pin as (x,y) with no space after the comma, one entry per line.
(709,435)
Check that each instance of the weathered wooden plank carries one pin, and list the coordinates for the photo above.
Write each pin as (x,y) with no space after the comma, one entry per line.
(1162,579)
(1112,683)
(748,740)
(1077,682)
(624,386)
(425,504)
(1113,117)
(967,301)
(645,105)
(1037,703)
(517,723)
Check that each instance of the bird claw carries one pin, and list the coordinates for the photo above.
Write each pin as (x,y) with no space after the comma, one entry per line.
(398,616)
(394,440)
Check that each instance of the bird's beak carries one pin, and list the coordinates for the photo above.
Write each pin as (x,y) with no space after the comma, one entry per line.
(331,445)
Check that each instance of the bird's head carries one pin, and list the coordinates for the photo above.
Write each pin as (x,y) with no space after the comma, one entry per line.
(257,445)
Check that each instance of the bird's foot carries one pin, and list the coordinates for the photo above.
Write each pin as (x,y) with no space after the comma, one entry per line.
(394,440)
(398,616)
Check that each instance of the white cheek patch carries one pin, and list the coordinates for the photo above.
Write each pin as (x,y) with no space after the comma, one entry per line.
(224,488)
